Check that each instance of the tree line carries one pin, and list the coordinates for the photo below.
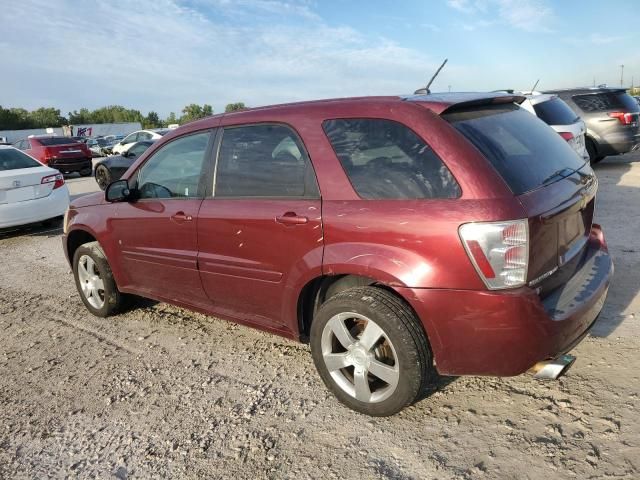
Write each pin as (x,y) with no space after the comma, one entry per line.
(20,118)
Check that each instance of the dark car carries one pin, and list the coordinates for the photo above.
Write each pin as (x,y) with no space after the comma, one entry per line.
(611,116)
(401,236)
(112,168)
(62,153)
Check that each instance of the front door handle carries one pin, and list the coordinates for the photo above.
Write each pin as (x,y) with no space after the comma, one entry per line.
(290,218)
(181,217)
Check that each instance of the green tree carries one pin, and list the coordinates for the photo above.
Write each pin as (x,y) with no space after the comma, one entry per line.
(207,110)
(234,107)
(152,120)
(191,112)
(171,119)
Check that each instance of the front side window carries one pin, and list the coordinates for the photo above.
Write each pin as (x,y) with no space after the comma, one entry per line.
(385,159)
(174,170)
(263,161)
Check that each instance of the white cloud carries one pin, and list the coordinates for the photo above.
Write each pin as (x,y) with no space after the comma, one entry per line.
(527,15)
(161,55)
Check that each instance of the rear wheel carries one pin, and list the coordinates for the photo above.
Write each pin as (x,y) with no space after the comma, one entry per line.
(371,351)
(593,153)
(103,176)
(95,282)
(86,172)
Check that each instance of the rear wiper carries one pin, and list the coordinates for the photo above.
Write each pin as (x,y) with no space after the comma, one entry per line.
(557,173)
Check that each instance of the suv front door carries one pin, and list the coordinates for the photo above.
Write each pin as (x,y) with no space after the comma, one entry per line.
(157,232)
(260,233)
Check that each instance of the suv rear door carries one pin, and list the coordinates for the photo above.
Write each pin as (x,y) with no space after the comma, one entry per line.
(555,186)
(260,233)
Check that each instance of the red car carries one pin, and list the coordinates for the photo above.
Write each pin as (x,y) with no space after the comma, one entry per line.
(62,153)
(403,237)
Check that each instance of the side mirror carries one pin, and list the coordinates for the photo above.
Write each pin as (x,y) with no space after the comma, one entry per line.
(117,191)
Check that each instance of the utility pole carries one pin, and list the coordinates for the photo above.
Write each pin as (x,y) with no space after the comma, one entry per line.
(449,88)
(621,74)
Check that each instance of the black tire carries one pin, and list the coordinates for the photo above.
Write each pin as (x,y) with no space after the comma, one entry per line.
(86,172)
(400,328)
(593,152)
(103,177)
(113,300)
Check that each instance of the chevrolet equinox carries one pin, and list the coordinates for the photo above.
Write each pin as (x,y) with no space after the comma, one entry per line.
(402,237)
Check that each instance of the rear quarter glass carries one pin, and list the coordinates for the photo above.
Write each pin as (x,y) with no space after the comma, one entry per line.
(523,149)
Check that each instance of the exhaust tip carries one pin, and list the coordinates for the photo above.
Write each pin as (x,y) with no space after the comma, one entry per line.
(552,369)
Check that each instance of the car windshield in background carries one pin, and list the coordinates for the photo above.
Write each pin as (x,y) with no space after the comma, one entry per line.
(602,102)
(49,141)
(12,159)
(555,112)
(523,149)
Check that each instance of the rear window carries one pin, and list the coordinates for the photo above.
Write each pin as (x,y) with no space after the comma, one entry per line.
(524,150)
(602,102)
(47,142)
(12,159)
(386,160)
(555,112)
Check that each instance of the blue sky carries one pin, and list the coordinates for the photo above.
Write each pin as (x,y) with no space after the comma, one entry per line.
(163,54)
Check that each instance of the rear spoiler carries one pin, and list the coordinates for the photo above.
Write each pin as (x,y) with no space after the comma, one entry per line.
(441,103)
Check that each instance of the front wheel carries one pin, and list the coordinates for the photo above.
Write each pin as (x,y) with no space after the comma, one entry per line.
(370,351)
(95,282)
(103,176)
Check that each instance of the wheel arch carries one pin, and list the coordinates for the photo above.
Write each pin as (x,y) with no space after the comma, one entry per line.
(321,288)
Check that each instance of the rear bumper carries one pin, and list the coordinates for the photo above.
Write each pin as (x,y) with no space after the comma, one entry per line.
(619,142)
(31,211)
(505,333)
(70,164)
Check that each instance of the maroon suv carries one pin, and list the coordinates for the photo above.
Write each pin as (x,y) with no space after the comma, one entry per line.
(401,236)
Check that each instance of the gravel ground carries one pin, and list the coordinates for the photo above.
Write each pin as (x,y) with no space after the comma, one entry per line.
(161,392)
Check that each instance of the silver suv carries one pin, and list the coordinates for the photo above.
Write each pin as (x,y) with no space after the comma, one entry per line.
(611,115)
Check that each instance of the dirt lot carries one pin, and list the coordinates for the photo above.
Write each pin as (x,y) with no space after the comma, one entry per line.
(160,392)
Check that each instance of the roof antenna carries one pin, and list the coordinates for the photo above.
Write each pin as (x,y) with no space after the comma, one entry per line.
(534,86)
(422,91)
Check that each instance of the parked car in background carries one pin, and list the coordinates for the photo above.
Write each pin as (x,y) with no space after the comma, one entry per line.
(400,236)
(98,147)
(559,116)
(29,191)
(611,116)
(61,153)
(139,136)
(111,168)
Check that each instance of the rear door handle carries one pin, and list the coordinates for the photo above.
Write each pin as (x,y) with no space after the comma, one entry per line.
(181,217)
(290,218)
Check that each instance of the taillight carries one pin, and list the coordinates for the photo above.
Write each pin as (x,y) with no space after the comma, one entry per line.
(623,118)
(57,180)
(499,251)
(48,155)
(568,136)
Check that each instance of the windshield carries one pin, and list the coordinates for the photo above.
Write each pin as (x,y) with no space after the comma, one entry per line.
(555,112)
(12,159)
(525,151)
(48,141)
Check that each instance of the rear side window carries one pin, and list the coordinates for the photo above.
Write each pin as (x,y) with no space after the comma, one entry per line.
(47,142)
(263,161)
(386,160)
(555,112)
(12,159)
(524,150)
(602,102)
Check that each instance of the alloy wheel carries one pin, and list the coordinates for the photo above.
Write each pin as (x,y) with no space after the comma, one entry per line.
(91,282)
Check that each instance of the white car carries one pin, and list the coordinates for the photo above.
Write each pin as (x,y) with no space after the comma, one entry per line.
(559,116)
(29,191)
(127,142)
